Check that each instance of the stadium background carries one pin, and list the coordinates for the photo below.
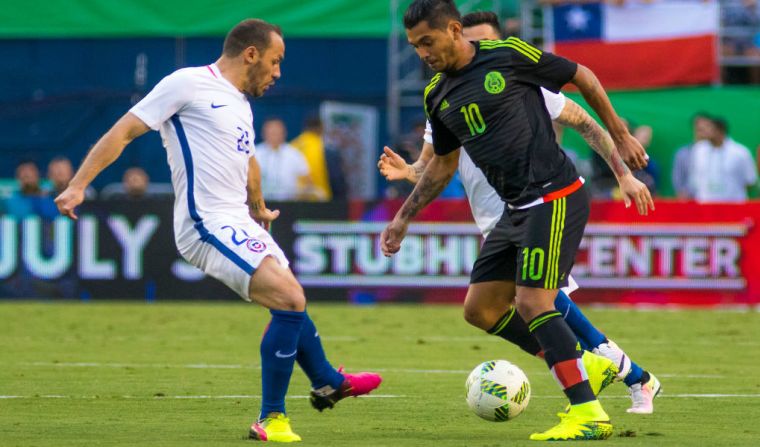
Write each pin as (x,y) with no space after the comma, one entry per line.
(72,68)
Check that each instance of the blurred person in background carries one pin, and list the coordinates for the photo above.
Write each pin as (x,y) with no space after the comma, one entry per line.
(339,145)
(312,146)
(722,170)
(742,18)
(284,171)
(59,174)
(604,185)
(701,125)
(136,183)
(30,199)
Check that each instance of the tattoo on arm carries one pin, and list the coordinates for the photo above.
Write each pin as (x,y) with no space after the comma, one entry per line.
(575,117)
(415,171)
(428,188)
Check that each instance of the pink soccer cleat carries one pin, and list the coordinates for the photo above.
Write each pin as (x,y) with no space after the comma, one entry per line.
(355,385)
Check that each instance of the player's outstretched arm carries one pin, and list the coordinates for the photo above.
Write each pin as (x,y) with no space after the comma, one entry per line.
(106,151)
(630,149)
(256,206)
(434,179)
(393,167)
(575,117)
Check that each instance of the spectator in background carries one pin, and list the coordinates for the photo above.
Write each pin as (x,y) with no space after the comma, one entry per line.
(136,182)
(701,125)
(337,146)
(59,174)
(30,199)
(284,171)
(741,39)
(312,146)
(721,169)
(604,184)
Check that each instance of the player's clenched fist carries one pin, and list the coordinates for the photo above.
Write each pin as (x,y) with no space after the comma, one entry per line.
(390,239)
(68,200)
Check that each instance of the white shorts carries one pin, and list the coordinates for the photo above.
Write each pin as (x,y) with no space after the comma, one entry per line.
(232,254)
(572,286)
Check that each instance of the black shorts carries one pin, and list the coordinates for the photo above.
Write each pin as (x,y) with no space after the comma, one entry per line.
(535,247)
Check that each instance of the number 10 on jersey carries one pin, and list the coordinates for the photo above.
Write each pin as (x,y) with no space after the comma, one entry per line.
(473,118)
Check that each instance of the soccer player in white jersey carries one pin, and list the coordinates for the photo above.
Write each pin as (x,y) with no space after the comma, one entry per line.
(206,125)
(487,209)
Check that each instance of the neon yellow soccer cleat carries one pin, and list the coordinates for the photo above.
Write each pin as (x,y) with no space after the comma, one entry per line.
(584,422)
(274,429)
(601,371)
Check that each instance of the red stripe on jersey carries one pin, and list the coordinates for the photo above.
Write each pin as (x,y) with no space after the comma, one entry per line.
(212,71)
(569,372)
(564,192)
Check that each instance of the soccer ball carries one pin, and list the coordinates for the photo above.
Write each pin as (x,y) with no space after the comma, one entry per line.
(497,390)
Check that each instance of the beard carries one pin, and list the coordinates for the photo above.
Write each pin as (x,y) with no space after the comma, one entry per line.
(256,74)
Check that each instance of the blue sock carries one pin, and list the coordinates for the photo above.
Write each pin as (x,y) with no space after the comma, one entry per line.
(635,375)
(278,354)
(587,334)
(311,357)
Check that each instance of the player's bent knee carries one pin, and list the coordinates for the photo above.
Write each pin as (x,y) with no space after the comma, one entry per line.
(479,316)
(276,288)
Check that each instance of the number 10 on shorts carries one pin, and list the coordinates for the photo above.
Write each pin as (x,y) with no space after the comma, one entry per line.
(533,263)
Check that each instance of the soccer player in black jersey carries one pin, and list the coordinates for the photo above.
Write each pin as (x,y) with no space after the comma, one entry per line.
(486,98)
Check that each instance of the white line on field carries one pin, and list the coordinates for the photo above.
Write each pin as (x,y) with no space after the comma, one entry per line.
(230,396)
(234,366)
(371,396)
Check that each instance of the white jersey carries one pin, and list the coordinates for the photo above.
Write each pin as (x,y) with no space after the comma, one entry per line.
(206,125)
(486,205)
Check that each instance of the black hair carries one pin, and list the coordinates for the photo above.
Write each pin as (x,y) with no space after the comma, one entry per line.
(482,18)
(701,115)
(313,123)
(249,32)
(721,124)
(58,159)
(436,13)
(26,161)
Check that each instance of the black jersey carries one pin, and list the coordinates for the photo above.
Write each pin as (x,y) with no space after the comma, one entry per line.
(494,108)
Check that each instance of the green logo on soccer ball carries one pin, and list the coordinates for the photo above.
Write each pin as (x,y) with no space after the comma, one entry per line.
(494,82)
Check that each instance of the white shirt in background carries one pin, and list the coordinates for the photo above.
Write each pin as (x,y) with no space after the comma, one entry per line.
(722,173)
(281,170)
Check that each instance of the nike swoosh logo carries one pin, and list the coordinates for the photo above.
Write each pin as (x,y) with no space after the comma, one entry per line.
(284,356)
(215,106)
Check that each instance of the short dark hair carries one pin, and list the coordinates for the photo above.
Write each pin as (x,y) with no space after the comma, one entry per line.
(59,159)
(721,124)
(313,123)
(482,18)
(436,13)
(249,32)
(701,115)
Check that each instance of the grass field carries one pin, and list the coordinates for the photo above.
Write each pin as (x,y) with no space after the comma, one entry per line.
(187,374)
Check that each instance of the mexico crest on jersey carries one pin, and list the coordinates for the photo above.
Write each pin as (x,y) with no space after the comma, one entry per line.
(494,83)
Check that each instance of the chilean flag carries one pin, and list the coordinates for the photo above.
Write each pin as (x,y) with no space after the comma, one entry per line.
(641,45)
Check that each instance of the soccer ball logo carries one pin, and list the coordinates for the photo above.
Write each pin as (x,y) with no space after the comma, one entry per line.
(497,390)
